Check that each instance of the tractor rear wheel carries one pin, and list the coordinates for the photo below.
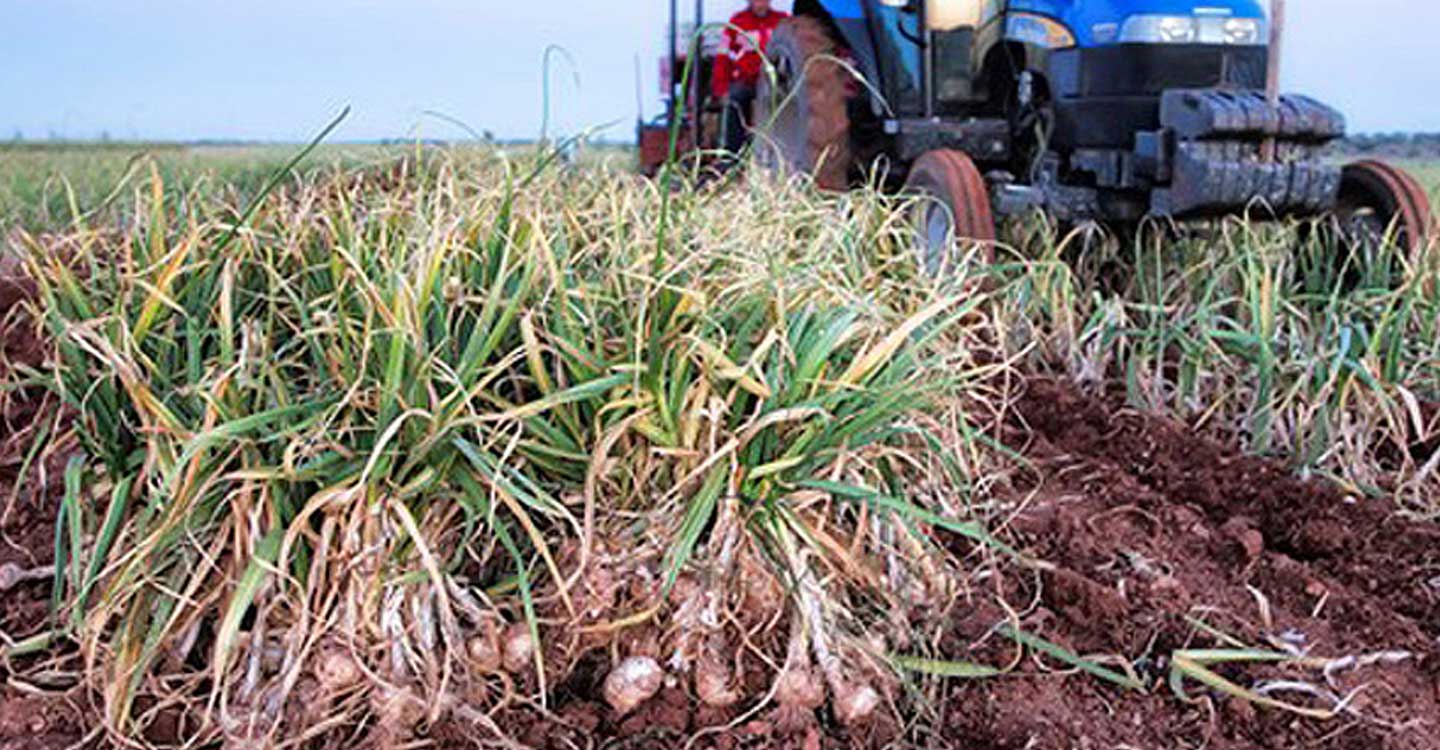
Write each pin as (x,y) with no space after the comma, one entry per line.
(957,217)
(1382,210)
(802,122)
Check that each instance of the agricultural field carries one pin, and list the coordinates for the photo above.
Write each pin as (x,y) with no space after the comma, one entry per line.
(474,447)
(45,187)
(1428,172)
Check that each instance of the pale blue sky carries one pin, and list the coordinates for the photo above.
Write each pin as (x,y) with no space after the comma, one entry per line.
(278,69)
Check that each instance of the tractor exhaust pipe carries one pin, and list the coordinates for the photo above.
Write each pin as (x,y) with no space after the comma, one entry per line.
(697,50)
(674,54)
(1272,71)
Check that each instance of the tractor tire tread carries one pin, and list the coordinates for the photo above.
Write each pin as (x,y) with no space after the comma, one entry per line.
(965,190)
(1412,203)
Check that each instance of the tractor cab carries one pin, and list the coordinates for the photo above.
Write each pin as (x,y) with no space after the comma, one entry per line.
(977,58)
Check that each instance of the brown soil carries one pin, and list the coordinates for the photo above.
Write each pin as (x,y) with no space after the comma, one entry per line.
(1149,529)
(1149,524)
(26,526)
(30,719)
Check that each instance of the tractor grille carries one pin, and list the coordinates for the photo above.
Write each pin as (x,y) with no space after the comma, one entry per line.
(1103,96)
(1149,69)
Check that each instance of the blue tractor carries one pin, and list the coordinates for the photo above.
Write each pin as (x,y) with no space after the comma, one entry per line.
(1105,111)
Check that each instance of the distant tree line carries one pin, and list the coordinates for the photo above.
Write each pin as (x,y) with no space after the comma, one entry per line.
(1394,145)
(1397,145)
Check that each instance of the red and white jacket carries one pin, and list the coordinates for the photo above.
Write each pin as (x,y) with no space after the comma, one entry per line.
(740,58)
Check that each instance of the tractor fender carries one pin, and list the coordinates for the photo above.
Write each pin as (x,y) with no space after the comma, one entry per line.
(1023,40)
(1003,63)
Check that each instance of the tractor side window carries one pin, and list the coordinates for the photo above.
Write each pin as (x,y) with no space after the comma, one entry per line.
(896,40)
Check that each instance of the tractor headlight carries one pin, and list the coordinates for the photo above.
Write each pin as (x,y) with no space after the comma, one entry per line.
(1160,30)
(1243,31)
(1202,29)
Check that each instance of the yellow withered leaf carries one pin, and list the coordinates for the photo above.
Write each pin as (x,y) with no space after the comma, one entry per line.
(726,369)
(879,354)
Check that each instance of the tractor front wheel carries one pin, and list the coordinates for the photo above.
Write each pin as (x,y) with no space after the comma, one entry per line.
(801,117)
(954,216)
(1382,211)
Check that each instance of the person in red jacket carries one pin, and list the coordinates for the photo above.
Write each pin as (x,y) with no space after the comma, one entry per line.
(738,66)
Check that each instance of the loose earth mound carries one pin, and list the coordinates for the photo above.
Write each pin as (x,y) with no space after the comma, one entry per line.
(1155,529)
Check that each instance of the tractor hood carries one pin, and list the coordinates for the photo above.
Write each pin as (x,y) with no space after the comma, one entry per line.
(1097,23)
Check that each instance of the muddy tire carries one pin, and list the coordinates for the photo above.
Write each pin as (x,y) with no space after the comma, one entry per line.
(802,124)
(957,217)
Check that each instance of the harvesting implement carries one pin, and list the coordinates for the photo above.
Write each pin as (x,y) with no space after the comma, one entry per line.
(1107,111)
